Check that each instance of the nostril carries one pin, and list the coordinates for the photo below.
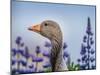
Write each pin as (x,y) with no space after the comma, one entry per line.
(29,28)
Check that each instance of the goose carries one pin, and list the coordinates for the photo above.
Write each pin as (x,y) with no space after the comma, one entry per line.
(52,31)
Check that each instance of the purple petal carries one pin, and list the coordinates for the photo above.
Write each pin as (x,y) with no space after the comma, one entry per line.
(18,40)
(14,51)
(47,65)
(37,59)
(65,46)
(47,44)
(38,49)
(46,54)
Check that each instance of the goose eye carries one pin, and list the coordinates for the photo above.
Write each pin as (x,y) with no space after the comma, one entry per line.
(45,24)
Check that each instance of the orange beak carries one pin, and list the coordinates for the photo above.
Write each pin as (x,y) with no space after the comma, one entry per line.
(35,28)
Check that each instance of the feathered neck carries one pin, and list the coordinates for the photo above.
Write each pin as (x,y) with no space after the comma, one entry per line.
(56,53)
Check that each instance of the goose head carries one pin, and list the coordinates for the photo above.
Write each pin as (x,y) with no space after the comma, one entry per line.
(48,29)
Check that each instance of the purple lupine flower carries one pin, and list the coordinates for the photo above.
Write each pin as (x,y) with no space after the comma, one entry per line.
(78,60)
(38,50)
(31,66)
(47,44)
(65,55)
(85,38)
(91,42)
(93,67)
(86,60)
(24,63)
(22,44)
(92,59)
(91,38)
(86,51)
(18,40)
(32,56)
(92,51)
(84,57)
(64,46)
(83,50)
(13,62)
(20,52)
(88,31)
(26,52)
(46,54)
(14,71)
(88,47)
(21,71)
(89,51)
(91,33)
(14,51)
(38,59)
(46,65)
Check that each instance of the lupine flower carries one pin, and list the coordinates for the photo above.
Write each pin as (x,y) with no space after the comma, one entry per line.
(22,44)
(14,51)
(92,42)
(85,38)
(31,66)
(13,62)
(92,59)
(88,47)
(83,50)
(88,31)
(14,71)
(91,38)
(92,51)
(18,40)
(87,51)
(86,60)
(47,44)
(64,46)
(46,54)
(24,63)
(38,50)
(84,57)
(38,59)
(78,60)
(20,52)
(47,65)
(93,67)
(65,55)
(21,71)
(26,52)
